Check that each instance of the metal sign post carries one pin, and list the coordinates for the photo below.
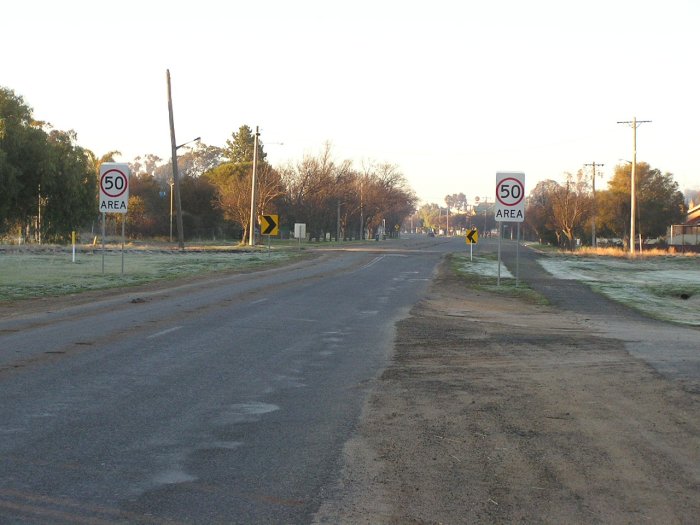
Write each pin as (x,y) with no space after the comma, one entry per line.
(269,225)
(510,207)
(103,242)
(114,198)
(517,258)
(123,237)
(500,234)
(472,238)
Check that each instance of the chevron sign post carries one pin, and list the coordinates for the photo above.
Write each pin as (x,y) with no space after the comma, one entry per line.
(472,239)
(269,225)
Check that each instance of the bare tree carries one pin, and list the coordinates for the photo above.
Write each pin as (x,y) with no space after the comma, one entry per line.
(321,192)
(233,184)
(570,205)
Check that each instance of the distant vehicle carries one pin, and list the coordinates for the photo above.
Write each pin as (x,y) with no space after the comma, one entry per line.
(431,234)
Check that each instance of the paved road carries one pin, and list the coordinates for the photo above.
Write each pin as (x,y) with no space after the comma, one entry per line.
(225,401)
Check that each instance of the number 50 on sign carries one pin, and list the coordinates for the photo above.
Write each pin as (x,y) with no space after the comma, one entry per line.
(114,187)
(510,197)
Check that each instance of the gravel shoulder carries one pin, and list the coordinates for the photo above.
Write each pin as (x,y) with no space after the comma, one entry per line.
(494,410)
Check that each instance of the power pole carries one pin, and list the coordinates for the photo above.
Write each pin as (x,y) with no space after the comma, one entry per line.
(594,242)
(337,231)
(251,235)
(176,178)
(634,124)
(362,218)
(38,219)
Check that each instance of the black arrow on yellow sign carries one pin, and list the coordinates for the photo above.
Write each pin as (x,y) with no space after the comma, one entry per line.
(473,236)
(269,224)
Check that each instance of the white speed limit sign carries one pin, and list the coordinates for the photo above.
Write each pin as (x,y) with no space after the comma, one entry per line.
(510,196)
(114,187)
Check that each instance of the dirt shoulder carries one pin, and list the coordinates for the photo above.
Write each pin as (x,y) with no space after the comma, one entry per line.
(497,411)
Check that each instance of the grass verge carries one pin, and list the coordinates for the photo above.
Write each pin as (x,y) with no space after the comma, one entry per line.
(666,288)
(27,274)
(481,273)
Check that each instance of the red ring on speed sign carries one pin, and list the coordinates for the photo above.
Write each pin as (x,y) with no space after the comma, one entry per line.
(115,186)
(510,193)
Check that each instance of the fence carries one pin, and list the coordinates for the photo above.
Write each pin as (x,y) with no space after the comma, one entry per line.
(684,237)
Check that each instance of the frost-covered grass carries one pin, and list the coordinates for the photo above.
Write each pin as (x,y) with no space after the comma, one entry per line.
(482,273)
(26,274)
(664,287)
(482,266)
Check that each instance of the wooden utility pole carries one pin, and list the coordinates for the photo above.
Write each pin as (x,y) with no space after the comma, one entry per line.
(176,178)
(251,234)
(594,241)
(634,124)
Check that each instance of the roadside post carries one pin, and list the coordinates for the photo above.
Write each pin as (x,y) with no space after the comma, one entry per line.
(472,238)
(510,207)
(114,198)
(72,238)
(269,225)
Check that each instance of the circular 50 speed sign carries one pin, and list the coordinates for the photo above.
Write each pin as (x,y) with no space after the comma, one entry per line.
(114,183)
(114,187)
(510,197)
(510,191)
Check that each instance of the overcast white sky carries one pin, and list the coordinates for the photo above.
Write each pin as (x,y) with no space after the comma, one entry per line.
(450,91)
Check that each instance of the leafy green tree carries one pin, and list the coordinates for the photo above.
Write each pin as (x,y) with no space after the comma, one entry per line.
(457,201)
(139,221)
(239,148)
(24,162)
(203,218)
(44,174)
(70,187)
(152,182)
(147,164)
(150,214)
(429,215)
(233,181)
(659,202)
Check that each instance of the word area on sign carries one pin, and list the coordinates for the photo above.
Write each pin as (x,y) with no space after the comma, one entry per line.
(112,205)
(509,214)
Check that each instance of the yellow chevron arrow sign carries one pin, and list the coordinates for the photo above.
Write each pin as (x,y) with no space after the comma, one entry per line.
(269,224)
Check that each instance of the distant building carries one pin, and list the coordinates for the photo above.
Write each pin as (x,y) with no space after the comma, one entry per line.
(693,218)
(686,237)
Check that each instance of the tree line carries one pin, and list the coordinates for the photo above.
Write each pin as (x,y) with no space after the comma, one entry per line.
(48,184)
(50,187)
(560,213)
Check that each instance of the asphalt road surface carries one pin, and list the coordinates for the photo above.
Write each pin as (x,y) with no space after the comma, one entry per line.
(219,401)
(230,400)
